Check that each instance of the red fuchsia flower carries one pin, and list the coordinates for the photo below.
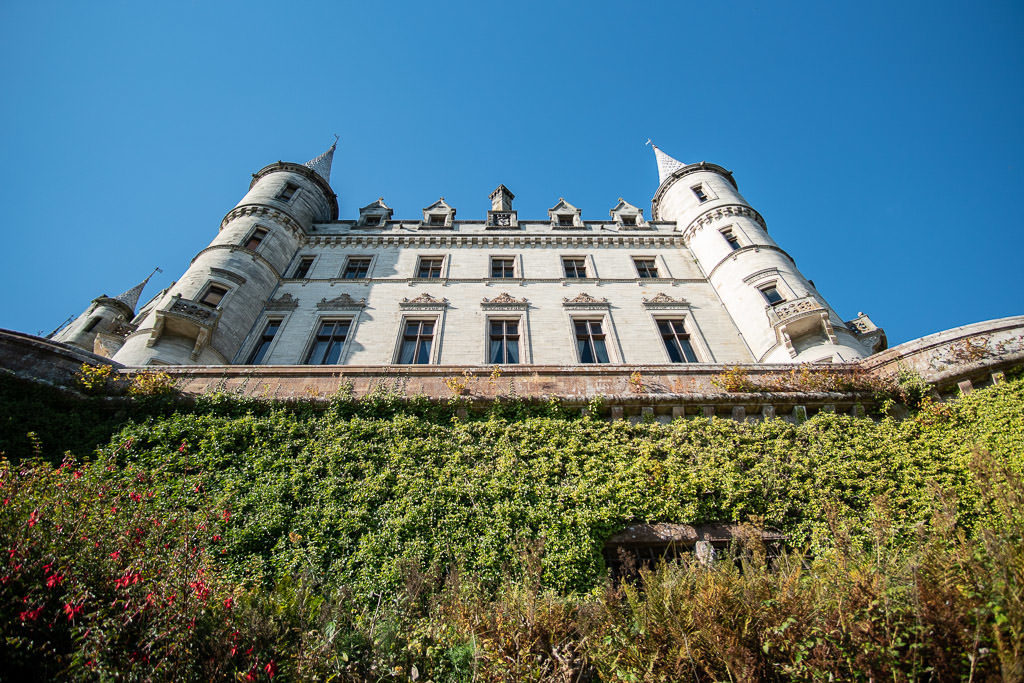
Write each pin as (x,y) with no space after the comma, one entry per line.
(47,568)
(113,508)
(181,448)
(116,554)
(228,603)
(33,518)
(216,537)
(7,501)
(12,552)
(134,496)
(270,668)
(251,676)
(78,475)
(71,610)
(54,580)
(30,614)
(226,515)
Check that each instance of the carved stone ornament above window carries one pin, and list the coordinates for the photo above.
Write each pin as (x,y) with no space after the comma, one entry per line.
(285,302)
(423,301)
(662,300)
(584,300)
(341,302)
(504,300)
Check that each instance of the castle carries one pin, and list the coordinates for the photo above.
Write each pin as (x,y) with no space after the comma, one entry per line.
(286,282)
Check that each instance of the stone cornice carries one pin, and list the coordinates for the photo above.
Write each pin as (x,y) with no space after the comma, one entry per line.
(662,300)
(718,213)
(518,281)
(743,250)
(304,171)
(503,240)
(261,210)
(685,171)
(235,247)
(423,302)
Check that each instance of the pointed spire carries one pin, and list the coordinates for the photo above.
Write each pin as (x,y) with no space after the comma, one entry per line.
(666,164)
(322,164)
(131,297)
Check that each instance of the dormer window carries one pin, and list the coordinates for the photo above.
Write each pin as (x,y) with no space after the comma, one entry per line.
(287,192)
(627,215)
(628,219)
(371,220)
(566,220)
(564,215)
(436,219)
(374,215)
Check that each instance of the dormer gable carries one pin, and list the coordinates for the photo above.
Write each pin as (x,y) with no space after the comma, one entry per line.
(627,216)
(565,216)
(438,216)
(374,215)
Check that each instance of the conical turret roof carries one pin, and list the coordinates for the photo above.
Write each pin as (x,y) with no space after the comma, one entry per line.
(322,164)
(666,164)
(131,297)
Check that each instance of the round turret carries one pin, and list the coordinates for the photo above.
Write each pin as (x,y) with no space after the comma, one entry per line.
(205,317)
(780,314)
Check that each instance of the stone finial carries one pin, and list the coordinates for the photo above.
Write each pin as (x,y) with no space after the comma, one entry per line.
(501,199)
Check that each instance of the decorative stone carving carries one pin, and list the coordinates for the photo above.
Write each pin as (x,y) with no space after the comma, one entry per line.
(788,310)
(192,319)
(285,302)
(424,301)
(341,302)
(504,300)
(662,300)
(187,308)
(584,300)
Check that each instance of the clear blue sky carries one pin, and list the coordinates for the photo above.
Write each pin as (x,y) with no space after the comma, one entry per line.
(882,141)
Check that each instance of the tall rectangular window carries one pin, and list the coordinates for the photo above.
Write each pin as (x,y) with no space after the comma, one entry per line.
(575,266)
(287,192)
(329,340)
(677,341)
(430,267)
(503,266)
(734,243)
(590,341)
(771,294)
(504,338)
(302,268)
(646,267)
(356,267)
(698,190)
(213,295)
(255,238)
(416,340)
(258,353)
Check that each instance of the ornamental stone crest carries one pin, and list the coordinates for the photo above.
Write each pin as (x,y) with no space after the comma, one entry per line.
(584,300)
(340,302)
(504,300)
(423,301)
(285,302)
(662,300)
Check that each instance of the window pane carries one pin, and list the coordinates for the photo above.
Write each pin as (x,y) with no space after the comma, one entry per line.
(408,348)
(586,355)
(512,351)
(423,355)
(495,352)
(600,352)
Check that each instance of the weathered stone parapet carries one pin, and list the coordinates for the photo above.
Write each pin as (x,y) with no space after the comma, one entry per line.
(39,359)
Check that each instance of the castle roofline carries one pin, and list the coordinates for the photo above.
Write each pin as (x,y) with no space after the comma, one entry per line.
(685,171)
(302,170)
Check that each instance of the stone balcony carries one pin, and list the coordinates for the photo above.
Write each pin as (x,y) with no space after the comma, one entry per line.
(794,319)
(186,318)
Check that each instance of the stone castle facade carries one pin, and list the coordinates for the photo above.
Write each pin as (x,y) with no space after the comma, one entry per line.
(286,282)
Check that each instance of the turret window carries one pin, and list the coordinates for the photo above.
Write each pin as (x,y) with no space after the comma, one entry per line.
(302,268)
(771,294)
(92,324)
(287,192)
(269,332)
(257,236)
(329,340)
(698,190)
(731,238)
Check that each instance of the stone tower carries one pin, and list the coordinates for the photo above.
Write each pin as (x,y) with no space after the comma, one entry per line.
(106,317)
(205,316)
(780,314)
